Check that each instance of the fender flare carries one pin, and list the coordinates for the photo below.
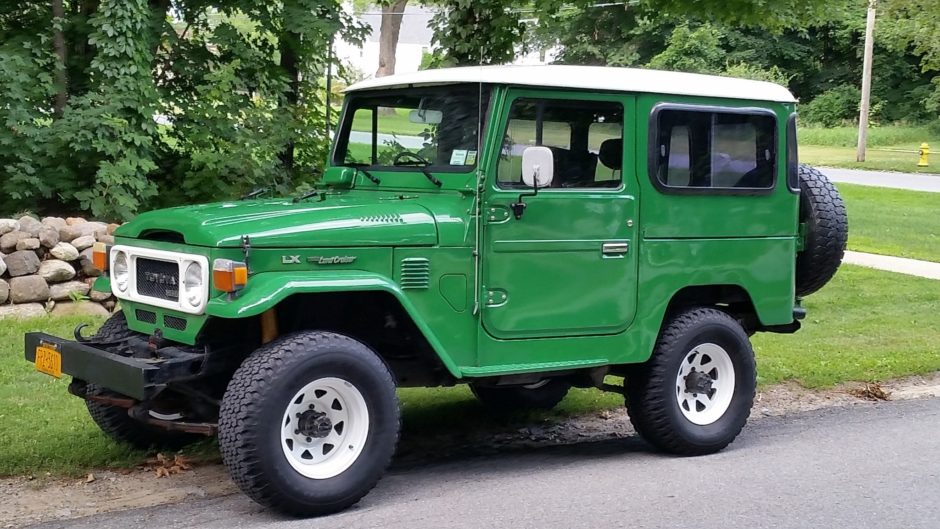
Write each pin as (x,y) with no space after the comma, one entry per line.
(265,290)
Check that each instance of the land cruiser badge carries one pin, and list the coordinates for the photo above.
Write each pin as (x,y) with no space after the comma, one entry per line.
(319,259)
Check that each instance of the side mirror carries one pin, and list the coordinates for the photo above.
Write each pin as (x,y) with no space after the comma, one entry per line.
(538,167)
(337,176)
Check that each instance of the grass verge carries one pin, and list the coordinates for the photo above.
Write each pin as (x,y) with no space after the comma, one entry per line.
(866,325)
(886,136)
(893,221)
(875,160)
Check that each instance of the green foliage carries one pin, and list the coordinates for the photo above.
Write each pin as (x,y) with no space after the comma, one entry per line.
(744,70)
(469,32)
(847,136)
(111,128)
(169,101)
(833,107)
(811,47)
(691,50)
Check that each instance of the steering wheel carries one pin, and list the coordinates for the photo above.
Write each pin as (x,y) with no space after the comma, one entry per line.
(414,156)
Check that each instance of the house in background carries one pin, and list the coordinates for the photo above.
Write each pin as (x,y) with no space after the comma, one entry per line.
(413,42)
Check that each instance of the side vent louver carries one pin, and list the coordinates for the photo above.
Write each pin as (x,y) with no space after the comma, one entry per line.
(415,273)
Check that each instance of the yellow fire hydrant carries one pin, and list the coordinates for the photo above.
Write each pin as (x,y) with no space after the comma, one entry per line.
(924,152)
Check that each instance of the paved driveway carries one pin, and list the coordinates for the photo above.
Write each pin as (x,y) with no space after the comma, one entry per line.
(870,466)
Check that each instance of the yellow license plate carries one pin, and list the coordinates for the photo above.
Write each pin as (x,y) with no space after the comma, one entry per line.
(48,360)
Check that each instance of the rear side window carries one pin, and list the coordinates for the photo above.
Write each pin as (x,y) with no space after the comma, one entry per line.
(708,149)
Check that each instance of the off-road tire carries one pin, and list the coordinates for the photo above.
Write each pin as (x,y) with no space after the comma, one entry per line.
(651,387)
(253,408)
(521,398)
(114,420)
(827,230)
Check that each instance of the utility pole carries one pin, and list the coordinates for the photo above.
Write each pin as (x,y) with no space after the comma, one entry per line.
(866,81)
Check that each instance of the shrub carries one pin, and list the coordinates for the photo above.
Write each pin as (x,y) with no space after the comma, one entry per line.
(833,107)
(754,72)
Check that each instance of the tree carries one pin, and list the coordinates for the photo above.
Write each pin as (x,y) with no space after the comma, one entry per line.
(110,106)
(470,32)
(389,30)
(691,50)
(913,25)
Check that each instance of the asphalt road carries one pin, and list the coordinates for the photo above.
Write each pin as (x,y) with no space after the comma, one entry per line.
(910,181)
(871,466)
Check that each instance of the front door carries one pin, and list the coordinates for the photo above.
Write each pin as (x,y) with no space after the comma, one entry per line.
(567,266)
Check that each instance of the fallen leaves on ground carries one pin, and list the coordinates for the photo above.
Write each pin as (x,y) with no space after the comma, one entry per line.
(871,391)
(164,466)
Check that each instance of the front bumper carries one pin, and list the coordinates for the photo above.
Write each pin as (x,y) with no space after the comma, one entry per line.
(138,378)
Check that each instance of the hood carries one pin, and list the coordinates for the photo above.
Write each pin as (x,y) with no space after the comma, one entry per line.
(336,221)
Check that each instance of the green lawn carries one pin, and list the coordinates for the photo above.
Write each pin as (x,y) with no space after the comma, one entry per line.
(875,160)
(879,136)
(893,221)
(866,325)
(836,147)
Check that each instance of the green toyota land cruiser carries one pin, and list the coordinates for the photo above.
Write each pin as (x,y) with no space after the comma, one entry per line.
(522,230)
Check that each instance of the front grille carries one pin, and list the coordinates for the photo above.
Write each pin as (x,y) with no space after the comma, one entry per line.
(175,323)
(145,316)
(158,279)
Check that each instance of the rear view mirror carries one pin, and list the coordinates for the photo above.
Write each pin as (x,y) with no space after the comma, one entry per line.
(424,116)
(538,167)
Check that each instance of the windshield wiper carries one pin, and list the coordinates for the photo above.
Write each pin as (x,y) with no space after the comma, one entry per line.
(311,193)
(434,180)
(359,169)
(370,176)
(257,192)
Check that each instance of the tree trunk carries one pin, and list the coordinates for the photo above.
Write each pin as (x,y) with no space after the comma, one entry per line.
(388,36)
(58,44)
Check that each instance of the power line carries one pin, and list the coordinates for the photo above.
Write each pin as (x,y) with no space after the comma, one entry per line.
(510,10)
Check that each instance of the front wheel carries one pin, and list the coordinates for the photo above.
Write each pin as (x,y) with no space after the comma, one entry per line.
(694,395)
(309,423)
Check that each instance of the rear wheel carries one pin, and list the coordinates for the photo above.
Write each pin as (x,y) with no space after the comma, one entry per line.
(309,423)
(695,393)
(543,395)
(114,420)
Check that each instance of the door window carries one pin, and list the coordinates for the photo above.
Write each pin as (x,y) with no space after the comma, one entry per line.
(585,137)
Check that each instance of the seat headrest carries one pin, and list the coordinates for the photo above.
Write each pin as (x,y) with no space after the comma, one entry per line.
(611,153)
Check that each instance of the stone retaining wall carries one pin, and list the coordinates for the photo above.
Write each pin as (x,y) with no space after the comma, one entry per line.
(46,267)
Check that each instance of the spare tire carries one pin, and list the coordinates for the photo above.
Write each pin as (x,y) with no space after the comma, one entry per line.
(822,211)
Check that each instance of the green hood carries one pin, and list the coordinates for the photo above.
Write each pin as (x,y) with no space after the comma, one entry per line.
(337,221)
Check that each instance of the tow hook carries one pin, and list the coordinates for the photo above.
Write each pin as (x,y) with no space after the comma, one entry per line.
(77,333)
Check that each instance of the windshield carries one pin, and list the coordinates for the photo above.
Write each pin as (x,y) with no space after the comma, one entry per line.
(433,128)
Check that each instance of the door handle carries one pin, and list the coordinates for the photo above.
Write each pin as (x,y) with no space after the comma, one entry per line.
(615,248)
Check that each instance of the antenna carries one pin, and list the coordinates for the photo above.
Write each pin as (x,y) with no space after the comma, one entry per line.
(480,176)
(329,84)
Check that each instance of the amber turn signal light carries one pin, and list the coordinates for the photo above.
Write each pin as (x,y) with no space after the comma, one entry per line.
(229,276)
(99,256)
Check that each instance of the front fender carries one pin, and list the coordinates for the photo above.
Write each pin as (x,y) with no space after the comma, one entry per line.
(265,290)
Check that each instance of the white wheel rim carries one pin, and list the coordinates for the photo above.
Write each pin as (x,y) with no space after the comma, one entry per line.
(705,384)
(324,428)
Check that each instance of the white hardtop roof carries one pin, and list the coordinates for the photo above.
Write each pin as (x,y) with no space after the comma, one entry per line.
(589,78)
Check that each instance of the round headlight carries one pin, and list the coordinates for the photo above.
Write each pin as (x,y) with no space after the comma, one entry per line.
(193,284)
(120,272)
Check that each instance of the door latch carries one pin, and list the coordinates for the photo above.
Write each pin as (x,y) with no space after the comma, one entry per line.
(615,248)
